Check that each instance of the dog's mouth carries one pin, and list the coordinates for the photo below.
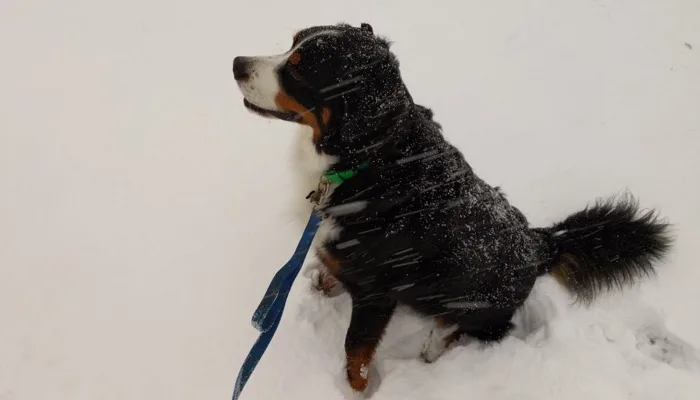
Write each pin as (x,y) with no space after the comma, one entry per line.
(283,115)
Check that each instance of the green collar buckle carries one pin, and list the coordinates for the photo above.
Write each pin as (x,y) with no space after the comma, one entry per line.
(342,176)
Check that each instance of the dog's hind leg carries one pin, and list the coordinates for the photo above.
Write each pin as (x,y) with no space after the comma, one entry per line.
(489,325)
(486,327)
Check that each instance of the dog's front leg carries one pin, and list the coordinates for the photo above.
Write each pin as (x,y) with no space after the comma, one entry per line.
(370,316)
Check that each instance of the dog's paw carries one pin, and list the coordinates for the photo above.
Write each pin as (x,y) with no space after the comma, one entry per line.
(433,348)
(362,385)
(438,341)
(325,283)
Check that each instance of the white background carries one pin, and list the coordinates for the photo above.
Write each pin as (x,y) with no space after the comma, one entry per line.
(143,210)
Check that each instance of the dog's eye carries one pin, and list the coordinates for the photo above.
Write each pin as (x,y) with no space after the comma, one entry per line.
(292,71)
(295,74)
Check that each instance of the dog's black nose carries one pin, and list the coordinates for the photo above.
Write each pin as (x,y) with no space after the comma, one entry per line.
(240,68)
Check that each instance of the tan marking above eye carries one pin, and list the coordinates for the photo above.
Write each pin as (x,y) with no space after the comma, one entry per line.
(294,58)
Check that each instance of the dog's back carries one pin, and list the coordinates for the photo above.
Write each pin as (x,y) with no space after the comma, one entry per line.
(433,235)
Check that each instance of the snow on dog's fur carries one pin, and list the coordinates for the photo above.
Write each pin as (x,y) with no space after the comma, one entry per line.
(418,227)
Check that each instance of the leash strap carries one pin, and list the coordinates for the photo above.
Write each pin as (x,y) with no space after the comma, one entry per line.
(268,315)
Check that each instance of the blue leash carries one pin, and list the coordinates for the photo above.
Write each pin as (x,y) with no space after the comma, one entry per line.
(267,316)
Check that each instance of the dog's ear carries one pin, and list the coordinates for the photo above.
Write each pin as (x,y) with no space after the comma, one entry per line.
(367,27)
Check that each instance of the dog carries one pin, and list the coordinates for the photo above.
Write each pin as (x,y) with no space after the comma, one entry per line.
(405,218)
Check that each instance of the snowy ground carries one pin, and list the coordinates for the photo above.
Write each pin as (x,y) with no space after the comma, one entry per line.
(143,210)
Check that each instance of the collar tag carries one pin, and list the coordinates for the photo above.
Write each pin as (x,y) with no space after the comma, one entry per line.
(319,195)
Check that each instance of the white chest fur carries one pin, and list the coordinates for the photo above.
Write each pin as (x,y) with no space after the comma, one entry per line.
(308,167)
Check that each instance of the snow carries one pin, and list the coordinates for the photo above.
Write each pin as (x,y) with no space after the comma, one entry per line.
(144,210)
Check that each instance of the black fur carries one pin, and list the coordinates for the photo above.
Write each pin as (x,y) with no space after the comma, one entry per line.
(432,234)
(608,246)
(419,227)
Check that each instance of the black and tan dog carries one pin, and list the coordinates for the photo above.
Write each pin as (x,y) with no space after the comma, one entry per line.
(411,223)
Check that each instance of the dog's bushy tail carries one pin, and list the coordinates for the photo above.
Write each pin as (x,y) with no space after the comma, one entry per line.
(607,246)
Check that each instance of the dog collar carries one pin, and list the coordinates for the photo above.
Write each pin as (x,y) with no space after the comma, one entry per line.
(342,176)
(331,177)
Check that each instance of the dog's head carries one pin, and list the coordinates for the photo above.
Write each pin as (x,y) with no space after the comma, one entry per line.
(339,80)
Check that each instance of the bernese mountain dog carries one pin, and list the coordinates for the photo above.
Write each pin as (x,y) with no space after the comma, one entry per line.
(405,218)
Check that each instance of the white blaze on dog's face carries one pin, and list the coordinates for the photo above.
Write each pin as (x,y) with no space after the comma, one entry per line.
(258,79)
(260,82)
